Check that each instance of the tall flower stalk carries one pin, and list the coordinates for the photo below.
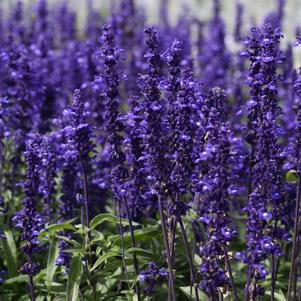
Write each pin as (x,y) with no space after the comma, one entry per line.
(180,119)
(78,133)
(111,56)
(266,201)
(216,188)
(291,294)
(28,219)
(153,134)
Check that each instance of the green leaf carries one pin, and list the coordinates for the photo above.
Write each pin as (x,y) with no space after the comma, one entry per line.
(10,254)
(56,288)
(69,240)
(51,266)
(102,258)
(291,176)
(141,252)
(75,273)
(278,296)
(186,291)
(140,235)
(58,298)
(75,251)
(97,236)
(55,228)
(18,279)
(107,217)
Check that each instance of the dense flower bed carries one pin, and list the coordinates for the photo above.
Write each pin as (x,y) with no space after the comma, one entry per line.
(148,162)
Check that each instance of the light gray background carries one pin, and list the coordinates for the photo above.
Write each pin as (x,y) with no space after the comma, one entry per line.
(255,10)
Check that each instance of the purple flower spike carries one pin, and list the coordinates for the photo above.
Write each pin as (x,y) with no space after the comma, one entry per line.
(27,219)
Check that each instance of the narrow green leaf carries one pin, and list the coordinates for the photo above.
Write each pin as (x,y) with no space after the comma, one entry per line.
(186,291)
(102,258)
(140,235)
(141,252)
(55,228)
(18,279)
(69,241)
(75,251)
(51,266)
(58,298)
(107,217)
(10,254)
(75,273)
(56,288)
(97,236)
(278,296)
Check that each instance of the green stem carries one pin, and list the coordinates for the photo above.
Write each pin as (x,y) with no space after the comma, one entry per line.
(136,265)
(295,241)
(229,270)
(87,221)
(1,167)
(169,261)
(172,242)
(273,279)
(189,258)
(31,289)
(122,246)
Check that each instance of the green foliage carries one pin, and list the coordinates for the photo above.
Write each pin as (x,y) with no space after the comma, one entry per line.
(75,274)
(102,265)
(55,228)
(51,266)
(10,254)
(102,258)
(107,217)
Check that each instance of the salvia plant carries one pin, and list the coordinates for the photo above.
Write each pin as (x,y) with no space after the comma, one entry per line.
(145,161)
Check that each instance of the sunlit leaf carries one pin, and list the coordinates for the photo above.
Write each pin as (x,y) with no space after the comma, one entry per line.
(102,258)
(75,273)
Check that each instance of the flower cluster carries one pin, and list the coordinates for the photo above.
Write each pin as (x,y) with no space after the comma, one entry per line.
(151,276)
